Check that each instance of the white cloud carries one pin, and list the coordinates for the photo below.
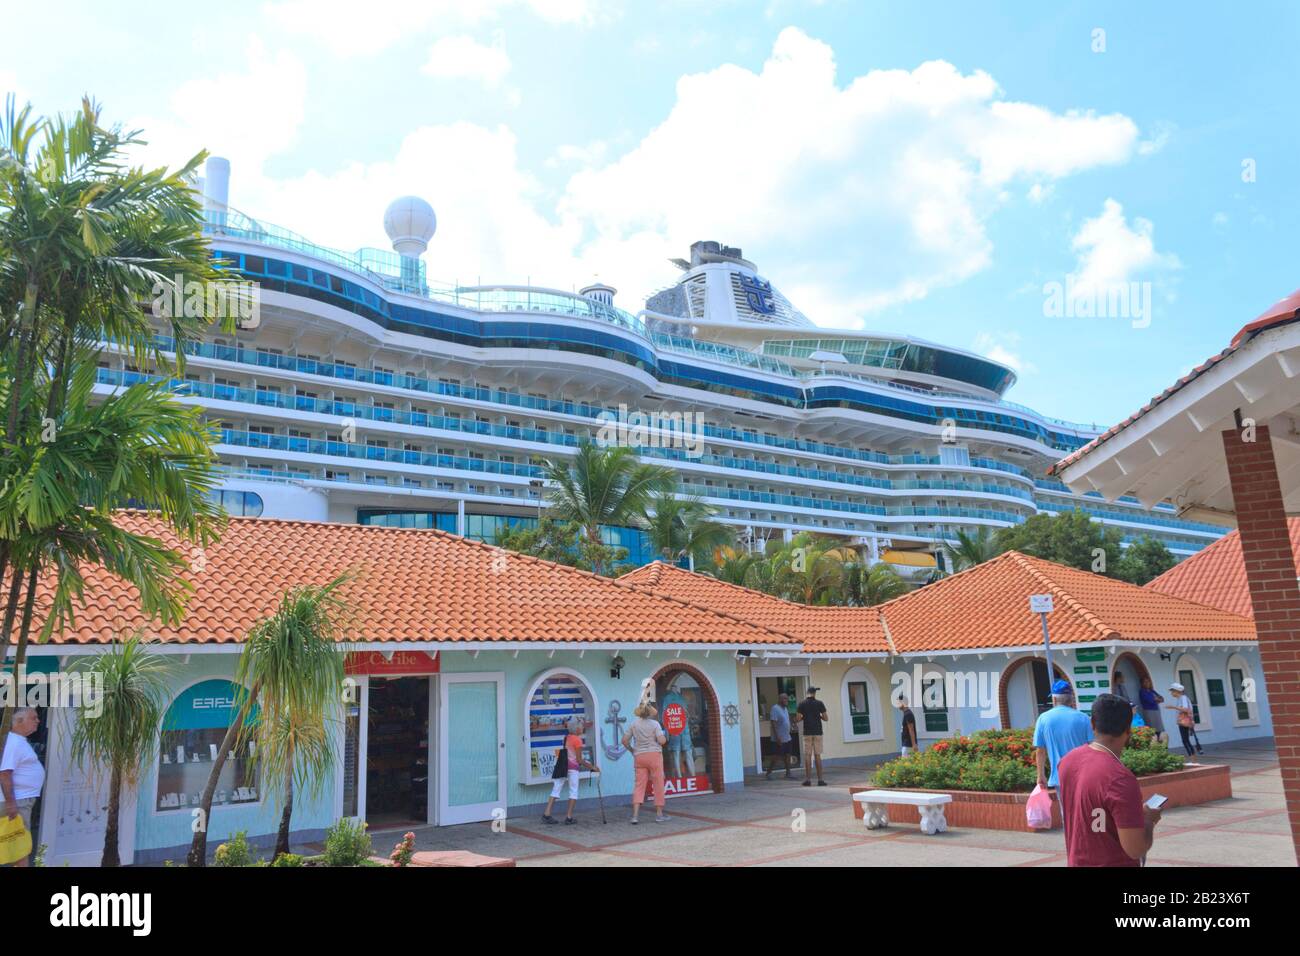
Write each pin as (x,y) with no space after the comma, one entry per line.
(857,197)
(230,114)
(850,197)
(463,57)
(1111,253)
(1156,141)
(348,28)
(1003,347)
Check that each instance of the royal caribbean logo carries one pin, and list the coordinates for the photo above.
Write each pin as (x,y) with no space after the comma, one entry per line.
(758,294)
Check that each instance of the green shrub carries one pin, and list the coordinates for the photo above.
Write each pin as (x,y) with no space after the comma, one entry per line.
(1156,759)
(235,851)
(287,859)
(347,844)
(1002,761)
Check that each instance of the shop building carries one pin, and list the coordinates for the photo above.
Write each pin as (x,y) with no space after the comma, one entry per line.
(464,662)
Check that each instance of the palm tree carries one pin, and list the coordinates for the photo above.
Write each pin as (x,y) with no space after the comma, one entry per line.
(732,564)
(603,486)
(972,548)
(809,570)
(292,668)
(123,736)
(879,583)
(684,527)
(84,240)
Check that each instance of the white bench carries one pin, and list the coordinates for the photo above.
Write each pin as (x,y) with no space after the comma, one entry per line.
(875,811)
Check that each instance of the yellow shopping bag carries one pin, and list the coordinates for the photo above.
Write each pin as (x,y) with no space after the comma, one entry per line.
(15,841)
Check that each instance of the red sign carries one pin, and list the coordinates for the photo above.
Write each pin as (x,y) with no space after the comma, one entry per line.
(674,719)
(681,786)
(401,662)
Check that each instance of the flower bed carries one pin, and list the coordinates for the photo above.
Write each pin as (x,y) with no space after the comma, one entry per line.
(989,775)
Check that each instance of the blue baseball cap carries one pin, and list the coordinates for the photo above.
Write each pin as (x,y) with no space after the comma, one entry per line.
(1062,687)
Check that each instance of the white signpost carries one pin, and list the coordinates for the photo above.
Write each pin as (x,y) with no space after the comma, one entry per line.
(1041,604)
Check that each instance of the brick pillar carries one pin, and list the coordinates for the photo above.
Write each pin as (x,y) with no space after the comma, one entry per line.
(1274,595)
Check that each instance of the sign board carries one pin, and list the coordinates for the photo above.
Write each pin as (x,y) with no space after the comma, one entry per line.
(401,662)
(1090,654)
(1040,603)
(674,719)
(684,786)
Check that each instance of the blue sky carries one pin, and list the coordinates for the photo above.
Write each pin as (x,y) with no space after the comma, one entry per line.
(925,168)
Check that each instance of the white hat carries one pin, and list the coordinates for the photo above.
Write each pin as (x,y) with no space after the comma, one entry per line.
(1177,686)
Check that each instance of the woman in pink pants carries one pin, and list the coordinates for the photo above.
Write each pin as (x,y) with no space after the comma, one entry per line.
(646,739)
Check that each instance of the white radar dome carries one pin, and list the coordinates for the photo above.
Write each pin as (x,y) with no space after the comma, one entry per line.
(410,224)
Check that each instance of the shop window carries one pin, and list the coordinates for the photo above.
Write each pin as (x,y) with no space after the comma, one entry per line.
(556,697)
(684,713)
(934,703)
(1242,684)
(195,726)
(1214,688)
(860,705)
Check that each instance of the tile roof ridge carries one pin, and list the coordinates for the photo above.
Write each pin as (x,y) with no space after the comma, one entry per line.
(1029,564)
(674,569)
(665,596)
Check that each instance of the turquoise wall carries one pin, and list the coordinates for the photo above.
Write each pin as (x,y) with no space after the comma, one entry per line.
(160,829)
(617,779)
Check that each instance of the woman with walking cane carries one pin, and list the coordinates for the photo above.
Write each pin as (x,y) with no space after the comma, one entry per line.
(568,765)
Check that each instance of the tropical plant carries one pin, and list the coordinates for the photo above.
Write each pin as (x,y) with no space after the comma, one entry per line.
(85,239)
(120,734)
(347,843)
(876,584)
(562,542)
(684,528)
(603,486)
(807,569)
(971,548)
(235,852)
(291,666)
(731,564)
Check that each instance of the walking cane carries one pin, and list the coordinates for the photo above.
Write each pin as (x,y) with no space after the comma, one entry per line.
(600,797)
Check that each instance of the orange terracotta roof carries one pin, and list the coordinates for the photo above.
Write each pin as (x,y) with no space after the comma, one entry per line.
(410,585)
(823,630)
(1217,575)
(1282,312)
(987,606)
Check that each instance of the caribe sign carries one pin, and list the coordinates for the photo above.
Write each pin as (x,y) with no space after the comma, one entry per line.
(675,719)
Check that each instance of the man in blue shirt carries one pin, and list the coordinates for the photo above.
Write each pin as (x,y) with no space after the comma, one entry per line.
(1059,731)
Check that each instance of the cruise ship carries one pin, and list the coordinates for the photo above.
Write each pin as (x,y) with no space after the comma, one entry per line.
(367,392)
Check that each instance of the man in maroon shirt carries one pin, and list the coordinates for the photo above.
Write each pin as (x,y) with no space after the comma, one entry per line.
(1106,822)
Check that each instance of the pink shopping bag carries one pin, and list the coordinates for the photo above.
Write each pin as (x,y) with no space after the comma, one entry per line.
(1038,809)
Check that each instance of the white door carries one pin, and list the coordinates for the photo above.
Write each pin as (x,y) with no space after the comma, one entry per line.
(74,805)
(471,747)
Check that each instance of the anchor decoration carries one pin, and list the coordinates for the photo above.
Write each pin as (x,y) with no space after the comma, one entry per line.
(615,750)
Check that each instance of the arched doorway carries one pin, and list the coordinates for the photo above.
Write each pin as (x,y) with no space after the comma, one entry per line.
(689,712)
(1024,691)
(1130,666)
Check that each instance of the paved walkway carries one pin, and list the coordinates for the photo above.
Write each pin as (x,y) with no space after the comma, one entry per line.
(756,826)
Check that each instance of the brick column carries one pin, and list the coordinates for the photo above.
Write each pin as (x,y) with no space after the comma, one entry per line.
(1274,595)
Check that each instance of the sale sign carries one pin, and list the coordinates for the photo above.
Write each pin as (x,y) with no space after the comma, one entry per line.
(674,719)
(681,786)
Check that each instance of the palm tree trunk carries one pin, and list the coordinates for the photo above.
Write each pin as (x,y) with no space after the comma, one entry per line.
(282,838)
(198,855)
(110,857)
